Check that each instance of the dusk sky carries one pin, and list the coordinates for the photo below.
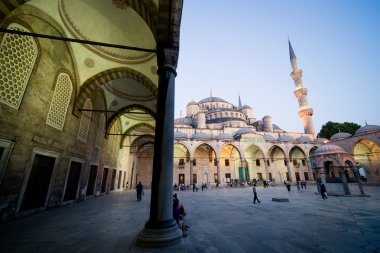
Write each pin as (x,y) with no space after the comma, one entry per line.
(241,47)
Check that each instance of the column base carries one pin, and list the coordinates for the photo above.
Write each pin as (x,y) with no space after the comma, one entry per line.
(155,236)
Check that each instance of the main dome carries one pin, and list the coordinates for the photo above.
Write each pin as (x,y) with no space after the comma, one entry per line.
(212,99)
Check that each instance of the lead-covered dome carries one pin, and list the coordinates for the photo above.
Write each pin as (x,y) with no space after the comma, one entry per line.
(180,136)
(224,136)
(269,138)
(201,136)
(192,103)
(340,135)
(285,138)
(183,121)
(367,129)
(329,149)
(303,139)
(212,99)
(321,140)
(246,130)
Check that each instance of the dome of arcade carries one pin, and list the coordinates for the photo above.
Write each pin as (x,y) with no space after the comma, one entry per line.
(180,136)
(340,135)
(303,139)
(329,149)
(245,130)
(269,138)
(224,136)
(367,129)
(116,22)
(201,136)
(183,122)
(285,138)
(321,140)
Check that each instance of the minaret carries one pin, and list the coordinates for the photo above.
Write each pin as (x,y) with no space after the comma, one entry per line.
(305,112)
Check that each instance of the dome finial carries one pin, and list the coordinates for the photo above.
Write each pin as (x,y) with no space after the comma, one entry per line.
(180,113)
(210,93)
(239,101)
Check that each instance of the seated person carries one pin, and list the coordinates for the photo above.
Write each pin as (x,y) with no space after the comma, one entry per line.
(179,218)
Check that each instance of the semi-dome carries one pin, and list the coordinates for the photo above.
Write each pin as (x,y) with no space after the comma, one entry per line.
(212,99)
(303,139)
(184,121)
(180,135)
(367,128)
(242,131)
(329,149)
(224,136)
(201,136)
(340,135)
(285,138)
(269,138)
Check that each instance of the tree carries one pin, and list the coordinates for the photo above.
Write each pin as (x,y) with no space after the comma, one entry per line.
(331,128)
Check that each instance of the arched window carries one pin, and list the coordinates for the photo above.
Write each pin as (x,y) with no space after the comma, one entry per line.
(100,131)
(61,99)
(18,55)
(85,121)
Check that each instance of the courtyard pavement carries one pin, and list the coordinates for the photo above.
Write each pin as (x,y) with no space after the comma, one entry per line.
(220,220)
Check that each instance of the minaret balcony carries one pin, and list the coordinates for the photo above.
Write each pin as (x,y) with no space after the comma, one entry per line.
(305,112)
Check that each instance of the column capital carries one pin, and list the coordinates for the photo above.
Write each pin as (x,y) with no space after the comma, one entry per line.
(167,58)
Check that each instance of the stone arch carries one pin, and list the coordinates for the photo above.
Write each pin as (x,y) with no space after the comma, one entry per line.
(93,83)
(134,127)
(277,163)
(255,158)
(312,150)
(367,157)
(128,108)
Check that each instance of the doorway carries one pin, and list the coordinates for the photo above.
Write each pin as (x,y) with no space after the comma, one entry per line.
(37,188)
(92,180)
(298,178)
(113,179)
(181,178)
(72,181)
(104,180)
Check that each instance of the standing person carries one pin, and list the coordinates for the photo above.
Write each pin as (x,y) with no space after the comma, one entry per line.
(139,190)
(298,186)
(193,187)
(255,194)
(323,191)
(288,186)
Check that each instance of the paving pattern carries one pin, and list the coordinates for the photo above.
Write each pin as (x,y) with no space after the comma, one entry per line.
(220,220)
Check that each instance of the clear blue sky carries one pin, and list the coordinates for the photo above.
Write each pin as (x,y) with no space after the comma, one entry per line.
(241,47)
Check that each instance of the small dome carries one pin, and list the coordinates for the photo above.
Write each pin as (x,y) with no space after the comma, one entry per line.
(212,99)
(192,103)
(201,136)
(183,121)
(321,140)
(224,136)
(269,138)
(246,130)
(246,107)
(329,149)
(340,135)
(180,135)
(285,138)
(267,116)
(367,128)
(303,139)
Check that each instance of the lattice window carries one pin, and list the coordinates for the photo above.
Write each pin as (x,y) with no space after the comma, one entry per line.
(85,121)
(100,131)
(60,102)
(18,55)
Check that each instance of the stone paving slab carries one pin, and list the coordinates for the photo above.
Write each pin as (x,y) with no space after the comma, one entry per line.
(220,220)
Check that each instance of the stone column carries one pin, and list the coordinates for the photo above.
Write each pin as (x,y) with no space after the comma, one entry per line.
(344,181)
(191,171)
(357,176)
(218,170)
(161,229)
(309,169)
(242,168)
(289,171)
(266,169)
(134,174)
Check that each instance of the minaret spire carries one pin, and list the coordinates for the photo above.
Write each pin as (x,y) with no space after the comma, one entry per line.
(240,106)
(305,112)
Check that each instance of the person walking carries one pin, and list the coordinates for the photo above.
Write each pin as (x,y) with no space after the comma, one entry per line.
(323,191)
(139,190)
(255,194)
